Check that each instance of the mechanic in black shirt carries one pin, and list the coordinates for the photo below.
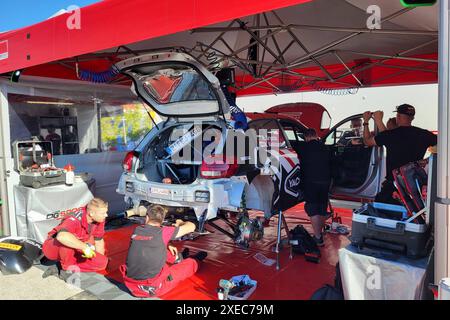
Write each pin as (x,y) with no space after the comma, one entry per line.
(315,173)
(404,144)
(154,267)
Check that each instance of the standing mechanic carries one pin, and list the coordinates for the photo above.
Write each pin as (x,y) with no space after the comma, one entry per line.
(315,171)
(351,137)
(154,267)
(55,139)
(404,144)
(77,242)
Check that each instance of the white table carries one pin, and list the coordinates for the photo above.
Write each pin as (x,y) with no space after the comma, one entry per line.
(369,275)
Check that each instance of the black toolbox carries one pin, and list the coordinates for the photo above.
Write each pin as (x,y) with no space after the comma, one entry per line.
(385,226)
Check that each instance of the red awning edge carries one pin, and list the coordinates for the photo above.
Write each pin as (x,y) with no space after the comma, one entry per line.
(112,23)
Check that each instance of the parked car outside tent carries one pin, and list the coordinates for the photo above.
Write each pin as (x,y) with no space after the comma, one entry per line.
(197,162)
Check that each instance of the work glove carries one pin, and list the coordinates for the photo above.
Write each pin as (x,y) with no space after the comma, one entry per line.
(89,251)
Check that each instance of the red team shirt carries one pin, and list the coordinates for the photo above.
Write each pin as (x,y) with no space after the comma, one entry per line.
(76,223)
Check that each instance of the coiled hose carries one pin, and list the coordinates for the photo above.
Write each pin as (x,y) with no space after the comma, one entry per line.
(334,92)
(97,77)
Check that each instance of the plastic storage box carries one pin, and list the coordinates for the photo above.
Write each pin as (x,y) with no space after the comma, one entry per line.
(407,238)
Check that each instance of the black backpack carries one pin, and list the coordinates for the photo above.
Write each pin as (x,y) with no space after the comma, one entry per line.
(328,292)
(303,243)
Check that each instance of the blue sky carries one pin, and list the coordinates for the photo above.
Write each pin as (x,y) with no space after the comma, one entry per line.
(21,13)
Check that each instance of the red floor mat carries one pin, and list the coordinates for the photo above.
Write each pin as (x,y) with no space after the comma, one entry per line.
(296,279)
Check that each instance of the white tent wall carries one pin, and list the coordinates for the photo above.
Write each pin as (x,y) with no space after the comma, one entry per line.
(423,97)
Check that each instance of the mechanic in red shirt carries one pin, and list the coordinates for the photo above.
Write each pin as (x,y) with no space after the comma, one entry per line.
(77,242)
(154,267)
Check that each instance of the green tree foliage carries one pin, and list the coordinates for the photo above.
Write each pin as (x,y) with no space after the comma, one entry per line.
(131,125)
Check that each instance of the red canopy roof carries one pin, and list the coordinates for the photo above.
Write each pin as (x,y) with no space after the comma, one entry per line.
(113,23)
(297,44)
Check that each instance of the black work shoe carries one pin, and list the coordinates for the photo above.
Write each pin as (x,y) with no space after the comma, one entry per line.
(319,241)
(200,256)
(65,275)
(51,271)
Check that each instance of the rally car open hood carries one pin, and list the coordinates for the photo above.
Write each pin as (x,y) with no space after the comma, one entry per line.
(175,85)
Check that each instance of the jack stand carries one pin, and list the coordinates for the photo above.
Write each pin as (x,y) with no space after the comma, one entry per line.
(281,220)
(201,222)
(334,215)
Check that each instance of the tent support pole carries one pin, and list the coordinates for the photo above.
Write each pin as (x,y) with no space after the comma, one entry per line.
(442,208)
(6,166)
(318,28)
(297,40)
(391,57)
(378,63)
(4,216)
(346,67)
(409,68)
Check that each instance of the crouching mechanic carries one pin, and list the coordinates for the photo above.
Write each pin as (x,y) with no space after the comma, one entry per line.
(77,242)
(153,267)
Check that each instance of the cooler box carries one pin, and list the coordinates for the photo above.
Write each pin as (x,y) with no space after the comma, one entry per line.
(372,227)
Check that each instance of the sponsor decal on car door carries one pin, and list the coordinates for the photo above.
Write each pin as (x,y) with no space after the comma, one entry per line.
(287,180)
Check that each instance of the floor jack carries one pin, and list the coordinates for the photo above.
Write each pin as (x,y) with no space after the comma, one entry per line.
(333,214)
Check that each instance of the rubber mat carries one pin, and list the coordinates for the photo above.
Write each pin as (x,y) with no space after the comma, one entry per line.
(296,279)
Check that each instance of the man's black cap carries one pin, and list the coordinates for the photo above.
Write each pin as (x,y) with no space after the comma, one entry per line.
(407,109)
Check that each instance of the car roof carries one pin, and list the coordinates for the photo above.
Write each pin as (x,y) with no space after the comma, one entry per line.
(277,116)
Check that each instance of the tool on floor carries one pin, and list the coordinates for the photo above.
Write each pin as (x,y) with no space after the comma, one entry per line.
(336,226)
(225,287)
(238,287)
(264,260)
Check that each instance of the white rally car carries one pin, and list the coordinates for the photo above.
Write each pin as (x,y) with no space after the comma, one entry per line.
(175,164)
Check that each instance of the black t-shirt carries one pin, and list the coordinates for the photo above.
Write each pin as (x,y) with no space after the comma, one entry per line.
(148,251)
(404,145)
(55,139)
(315,161)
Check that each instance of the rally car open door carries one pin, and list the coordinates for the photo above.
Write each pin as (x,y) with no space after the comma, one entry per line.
(357,169)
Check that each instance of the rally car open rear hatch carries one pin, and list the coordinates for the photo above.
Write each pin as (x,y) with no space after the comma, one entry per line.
(175,85)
